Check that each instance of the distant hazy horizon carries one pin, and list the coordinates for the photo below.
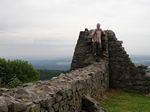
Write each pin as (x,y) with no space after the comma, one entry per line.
(49,29)
(132,56)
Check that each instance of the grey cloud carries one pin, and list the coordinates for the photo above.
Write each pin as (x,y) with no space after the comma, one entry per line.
(31,24)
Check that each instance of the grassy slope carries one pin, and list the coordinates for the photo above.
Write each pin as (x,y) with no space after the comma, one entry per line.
(120,101)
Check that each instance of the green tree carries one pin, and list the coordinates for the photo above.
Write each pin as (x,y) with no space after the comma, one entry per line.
(16,72)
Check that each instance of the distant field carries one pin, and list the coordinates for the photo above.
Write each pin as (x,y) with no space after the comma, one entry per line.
(149,68)
(141,59)
(120,101)
(48,74)
(58,64)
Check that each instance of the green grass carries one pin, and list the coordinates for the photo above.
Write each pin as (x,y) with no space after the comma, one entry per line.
(120,101)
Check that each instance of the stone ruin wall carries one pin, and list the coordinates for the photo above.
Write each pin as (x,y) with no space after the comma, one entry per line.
(61,94)
(123,73)
(83,51)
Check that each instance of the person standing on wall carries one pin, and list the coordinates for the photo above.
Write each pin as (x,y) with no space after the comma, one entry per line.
(97,40)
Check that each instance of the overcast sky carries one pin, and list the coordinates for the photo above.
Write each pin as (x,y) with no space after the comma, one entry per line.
(48,29)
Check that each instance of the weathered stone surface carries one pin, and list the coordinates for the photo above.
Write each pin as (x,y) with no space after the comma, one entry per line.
(33,108)
(62,94)
(123,73)
(3,104)
(83,52)
(91,105)
(17,107)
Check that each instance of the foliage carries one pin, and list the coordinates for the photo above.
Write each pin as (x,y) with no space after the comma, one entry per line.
(14,82)
(120,101)
(48,74)
(16,72)
(0,82)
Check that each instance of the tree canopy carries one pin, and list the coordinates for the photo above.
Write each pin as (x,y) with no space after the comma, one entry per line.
(15,72)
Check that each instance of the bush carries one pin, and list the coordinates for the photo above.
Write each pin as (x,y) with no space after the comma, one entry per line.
(17,71)
(0,82)
(14,82)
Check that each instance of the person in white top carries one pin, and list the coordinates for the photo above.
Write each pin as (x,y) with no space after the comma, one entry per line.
(97,40)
